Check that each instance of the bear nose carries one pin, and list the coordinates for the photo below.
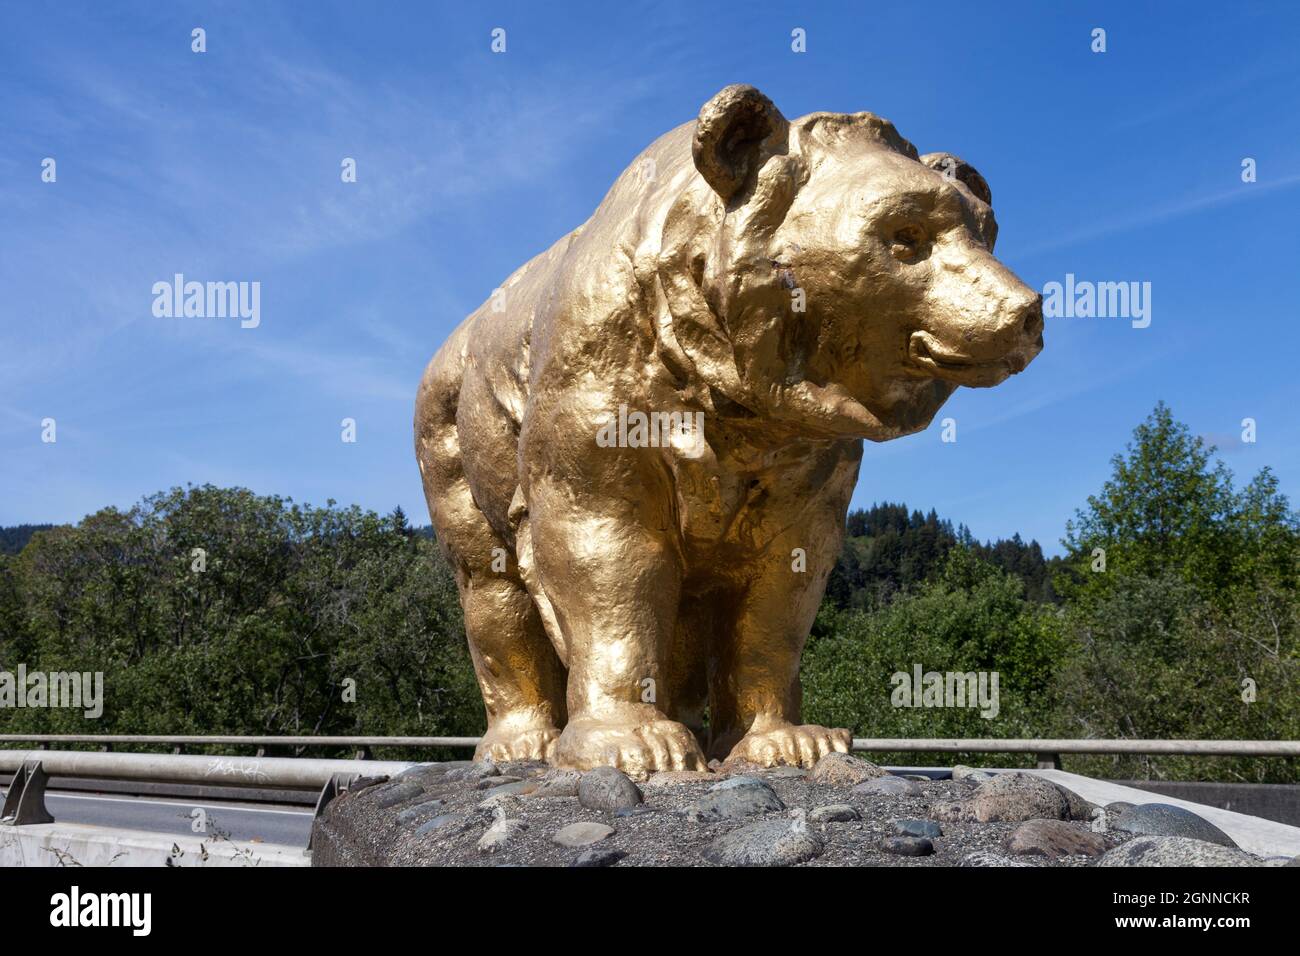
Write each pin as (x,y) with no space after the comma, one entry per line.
(1031,319)
(1026,328)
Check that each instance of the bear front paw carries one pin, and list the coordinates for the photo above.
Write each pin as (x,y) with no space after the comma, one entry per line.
(638,747)
(790,745)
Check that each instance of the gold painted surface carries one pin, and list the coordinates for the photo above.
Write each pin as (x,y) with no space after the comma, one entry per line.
(791,287)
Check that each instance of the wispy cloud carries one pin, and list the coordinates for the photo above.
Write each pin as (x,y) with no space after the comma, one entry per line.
(169,177)
(1163,212)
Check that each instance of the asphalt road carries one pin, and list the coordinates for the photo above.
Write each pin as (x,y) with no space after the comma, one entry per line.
(290,826)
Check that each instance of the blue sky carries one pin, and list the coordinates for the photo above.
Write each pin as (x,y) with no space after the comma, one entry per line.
(1115,166)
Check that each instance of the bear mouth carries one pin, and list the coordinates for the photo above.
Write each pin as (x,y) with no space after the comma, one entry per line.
(927,354)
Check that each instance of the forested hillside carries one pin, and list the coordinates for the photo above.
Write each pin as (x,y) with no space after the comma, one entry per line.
(13,540)
(888,549)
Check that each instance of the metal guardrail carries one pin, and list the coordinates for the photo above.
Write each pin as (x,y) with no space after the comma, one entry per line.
(175,740)
(24,802)
(1047,751)
(1044,747)
(1201,748)
(296,773)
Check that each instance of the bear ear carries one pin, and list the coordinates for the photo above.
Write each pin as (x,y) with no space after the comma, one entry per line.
(729,135)
(954,167)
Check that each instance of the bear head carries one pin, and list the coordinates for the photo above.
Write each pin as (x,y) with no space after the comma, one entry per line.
(822,274)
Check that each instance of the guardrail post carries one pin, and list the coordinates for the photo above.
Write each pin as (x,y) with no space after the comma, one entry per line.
(1049,761)
(25,802)
(336,784)
(362,754)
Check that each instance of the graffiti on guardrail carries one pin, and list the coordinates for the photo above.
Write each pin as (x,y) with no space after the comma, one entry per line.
(246,769)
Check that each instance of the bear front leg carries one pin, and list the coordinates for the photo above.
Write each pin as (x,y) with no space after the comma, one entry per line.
(613,576)
(755,697)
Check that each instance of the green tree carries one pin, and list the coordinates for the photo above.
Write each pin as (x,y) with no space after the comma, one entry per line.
(1170,506)
(1194,612)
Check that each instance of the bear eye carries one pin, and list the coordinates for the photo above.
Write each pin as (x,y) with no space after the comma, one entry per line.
(907,241)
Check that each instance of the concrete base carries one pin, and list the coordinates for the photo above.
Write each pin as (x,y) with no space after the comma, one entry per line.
(76,844)
(1253,834)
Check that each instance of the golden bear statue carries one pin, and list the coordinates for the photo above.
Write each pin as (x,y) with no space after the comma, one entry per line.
(638,454)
